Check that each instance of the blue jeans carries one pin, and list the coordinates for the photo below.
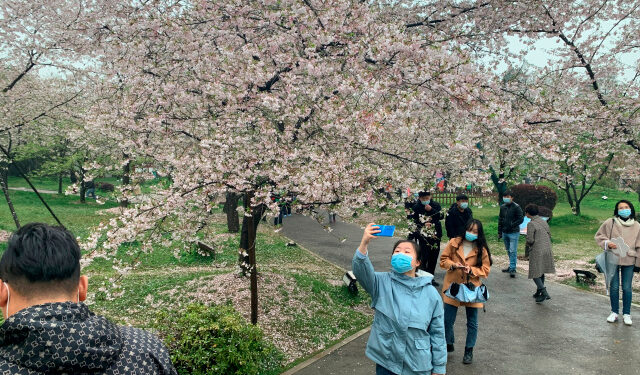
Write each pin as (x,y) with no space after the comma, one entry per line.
(511,245)
(382,371)
(450,313)
(614,289)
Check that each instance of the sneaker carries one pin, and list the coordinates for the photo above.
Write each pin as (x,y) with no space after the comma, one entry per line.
(505,270)
(449,348)
(512,274)
(613,317)
(626,318)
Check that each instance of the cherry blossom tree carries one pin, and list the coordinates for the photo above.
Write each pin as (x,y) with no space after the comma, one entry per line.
(323,100)
(594,65)
(43,66)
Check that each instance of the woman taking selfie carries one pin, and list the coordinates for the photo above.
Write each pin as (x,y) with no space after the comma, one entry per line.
(407,335)
(466,259)
(624,225)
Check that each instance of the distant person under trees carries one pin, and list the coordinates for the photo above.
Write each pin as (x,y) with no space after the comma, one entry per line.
(426,215)
(457,217)
(90,187)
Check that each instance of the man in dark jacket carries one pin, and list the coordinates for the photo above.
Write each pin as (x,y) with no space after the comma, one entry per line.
(457,217)
(426,214)
(47,330)
(511,216)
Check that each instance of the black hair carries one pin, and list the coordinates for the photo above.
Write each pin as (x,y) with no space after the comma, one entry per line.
(461,197)
(41,254)
(508,192)
(413,243)
(424,194)
(633,210)
(532,209)
(481,241)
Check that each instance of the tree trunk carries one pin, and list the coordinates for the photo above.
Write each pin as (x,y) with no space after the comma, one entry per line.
(126,180)
(254,269)
(499,183)
(570,200)
(230,208)
(83,191)
(60,184)
(72,176)
(247,221)
(5,190)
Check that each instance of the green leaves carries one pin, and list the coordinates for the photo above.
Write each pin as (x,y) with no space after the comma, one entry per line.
(216,340)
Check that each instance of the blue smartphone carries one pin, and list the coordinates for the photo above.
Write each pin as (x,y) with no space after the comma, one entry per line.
(386,230)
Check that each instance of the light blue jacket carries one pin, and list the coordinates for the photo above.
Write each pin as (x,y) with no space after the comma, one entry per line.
(407,336)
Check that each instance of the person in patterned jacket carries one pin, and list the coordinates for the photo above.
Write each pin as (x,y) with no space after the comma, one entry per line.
(47,328)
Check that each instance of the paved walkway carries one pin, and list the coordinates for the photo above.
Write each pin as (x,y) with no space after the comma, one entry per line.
(566,335)
(31,190)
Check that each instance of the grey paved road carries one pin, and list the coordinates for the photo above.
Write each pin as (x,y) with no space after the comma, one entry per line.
(566,335)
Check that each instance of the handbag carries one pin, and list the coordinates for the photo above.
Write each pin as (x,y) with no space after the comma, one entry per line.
(468,292)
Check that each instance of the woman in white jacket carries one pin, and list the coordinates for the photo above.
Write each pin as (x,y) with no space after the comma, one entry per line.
(624,225)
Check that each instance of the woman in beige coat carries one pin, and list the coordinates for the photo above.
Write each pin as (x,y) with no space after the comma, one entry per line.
(465,258)
(538,249)
(622,225)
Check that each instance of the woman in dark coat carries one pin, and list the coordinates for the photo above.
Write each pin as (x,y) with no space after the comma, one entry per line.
(538,249)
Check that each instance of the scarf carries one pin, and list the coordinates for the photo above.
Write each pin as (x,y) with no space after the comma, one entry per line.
(626,223)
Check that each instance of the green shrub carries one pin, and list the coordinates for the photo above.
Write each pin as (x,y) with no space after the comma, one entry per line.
(541,195)
(207,340)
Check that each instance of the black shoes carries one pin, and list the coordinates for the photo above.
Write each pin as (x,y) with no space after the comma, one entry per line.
(468,356)
(536,294)
(511,271)
(449,348)
(543,296)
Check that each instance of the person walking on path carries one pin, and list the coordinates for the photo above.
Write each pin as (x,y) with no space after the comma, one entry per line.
(457,217)
(621,225)
(511,216)
(407,336)
(538,250)
(466,259)
(427,214)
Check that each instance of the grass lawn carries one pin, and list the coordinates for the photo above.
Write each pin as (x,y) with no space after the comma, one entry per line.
(49,183)
(303,306)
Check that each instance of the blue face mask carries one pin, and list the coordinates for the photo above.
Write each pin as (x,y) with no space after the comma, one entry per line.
(424,203)
(401,263)
(625,213)
(464,205)
(470,236)
(506,200)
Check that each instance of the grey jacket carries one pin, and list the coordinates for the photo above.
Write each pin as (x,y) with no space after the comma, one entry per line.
(538,248)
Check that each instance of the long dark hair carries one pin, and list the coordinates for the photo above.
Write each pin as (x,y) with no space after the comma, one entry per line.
(633,210)
(480,242)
